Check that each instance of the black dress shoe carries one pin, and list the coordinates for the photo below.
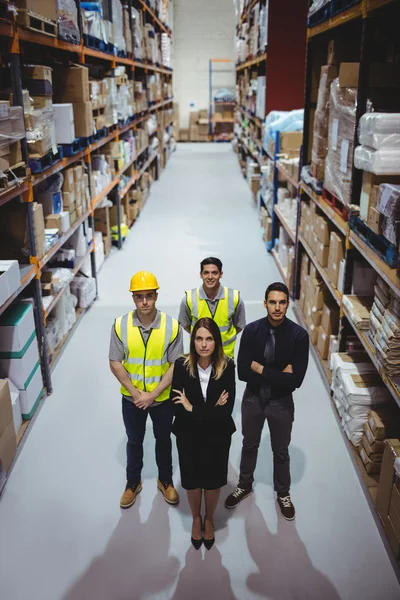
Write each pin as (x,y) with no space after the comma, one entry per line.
(208,543)
(196,543)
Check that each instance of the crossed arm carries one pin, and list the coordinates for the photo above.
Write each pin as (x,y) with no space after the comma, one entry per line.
(140,399)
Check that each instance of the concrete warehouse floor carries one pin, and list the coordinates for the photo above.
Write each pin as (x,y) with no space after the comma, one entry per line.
(62,533)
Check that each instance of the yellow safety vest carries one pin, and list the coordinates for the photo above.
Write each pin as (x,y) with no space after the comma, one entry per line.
(223,315)
(146,363)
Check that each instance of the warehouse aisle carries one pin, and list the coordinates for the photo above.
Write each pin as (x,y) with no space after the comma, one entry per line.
(62,534)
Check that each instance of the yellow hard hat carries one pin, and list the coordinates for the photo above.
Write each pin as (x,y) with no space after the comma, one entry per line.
(143,280)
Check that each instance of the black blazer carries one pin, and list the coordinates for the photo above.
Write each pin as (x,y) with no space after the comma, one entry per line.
(206,418)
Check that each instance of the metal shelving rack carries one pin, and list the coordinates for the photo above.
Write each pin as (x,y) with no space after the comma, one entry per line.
(211,104)
(16,43)
(285,53)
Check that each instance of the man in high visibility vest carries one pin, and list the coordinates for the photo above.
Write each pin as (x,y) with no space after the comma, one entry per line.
(222,304)
(144,345)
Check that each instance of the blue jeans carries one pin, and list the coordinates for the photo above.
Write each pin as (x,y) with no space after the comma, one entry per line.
(135,426)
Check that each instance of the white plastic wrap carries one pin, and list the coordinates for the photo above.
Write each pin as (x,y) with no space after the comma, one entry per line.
(67,19)
(316,5)
(342,123)
(385,161)
(379,130)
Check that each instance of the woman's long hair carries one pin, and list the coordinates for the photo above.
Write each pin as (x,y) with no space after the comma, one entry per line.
(218,359)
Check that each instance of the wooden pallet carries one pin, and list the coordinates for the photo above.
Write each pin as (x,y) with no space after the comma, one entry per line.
(337,205)
(35,22)
(378,243)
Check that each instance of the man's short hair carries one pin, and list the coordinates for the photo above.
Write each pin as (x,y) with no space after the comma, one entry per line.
(277,287)
(211,260)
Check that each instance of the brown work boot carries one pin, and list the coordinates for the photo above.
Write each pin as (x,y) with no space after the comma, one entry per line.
(168,491)
(128,498)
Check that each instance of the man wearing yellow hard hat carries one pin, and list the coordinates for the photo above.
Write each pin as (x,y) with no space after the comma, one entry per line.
(144,345)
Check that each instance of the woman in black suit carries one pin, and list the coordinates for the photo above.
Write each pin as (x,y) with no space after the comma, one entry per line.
(203,391)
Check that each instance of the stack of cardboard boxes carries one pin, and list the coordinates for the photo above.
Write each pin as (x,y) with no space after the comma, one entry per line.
(321,122)
(342,125)
(388,496)
(380,425)
(19,355)
(72,87)
(327,246)
(358,389)
(384,328)
(8,439)
(194,130)
(12,130)
(39,118)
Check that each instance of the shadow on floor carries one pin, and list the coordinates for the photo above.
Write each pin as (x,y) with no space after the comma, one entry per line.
(284,568)
(204,576)
(136,563)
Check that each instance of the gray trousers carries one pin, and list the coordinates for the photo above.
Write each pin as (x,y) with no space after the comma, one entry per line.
(280,416)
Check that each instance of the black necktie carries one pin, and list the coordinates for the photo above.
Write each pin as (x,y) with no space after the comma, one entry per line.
(269,356)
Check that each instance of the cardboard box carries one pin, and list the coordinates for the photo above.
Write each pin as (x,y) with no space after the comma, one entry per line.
(73,84)
(383,424)
(38,73)
(83,116)
(323,343)
(102,220)
(114,215)
(374,456)
(54,222)
(17,329)
(31,394)
(323,231)
(18,367)
(392,536)
(44,8)
(371,467)
(386,479)
(65,222)
(395,500)
(68,185)
(322,253)
(42,102)
(8,446)
(377,446)
(330,319)
(348,75)
(16,406)
(184,135)
(69,201)
(336,254)
(78,176)
(6,413)
(374,220)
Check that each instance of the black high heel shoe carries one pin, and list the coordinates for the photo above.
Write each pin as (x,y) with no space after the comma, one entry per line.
(208,543)
(196,543)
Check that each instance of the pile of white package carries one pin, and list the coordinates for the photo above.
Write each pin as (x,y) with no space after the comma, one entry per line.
(357,389)
(379,136)
(84,288)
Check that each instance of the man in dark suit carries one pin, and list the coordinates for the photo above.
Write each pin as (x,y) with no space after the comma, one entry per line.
(273,359)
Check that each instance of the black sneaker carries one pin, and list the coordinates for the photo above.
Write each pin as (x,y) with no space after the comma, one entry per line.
(239,494)
(286,506)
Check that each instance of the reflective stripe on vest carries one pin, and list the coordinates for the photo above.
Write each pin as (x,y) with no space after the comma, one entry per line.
(146,363)
(223,315)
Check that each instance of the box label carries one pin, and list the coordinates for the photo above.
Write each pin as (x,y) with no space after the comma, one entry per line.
(344,153)
(335,131)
